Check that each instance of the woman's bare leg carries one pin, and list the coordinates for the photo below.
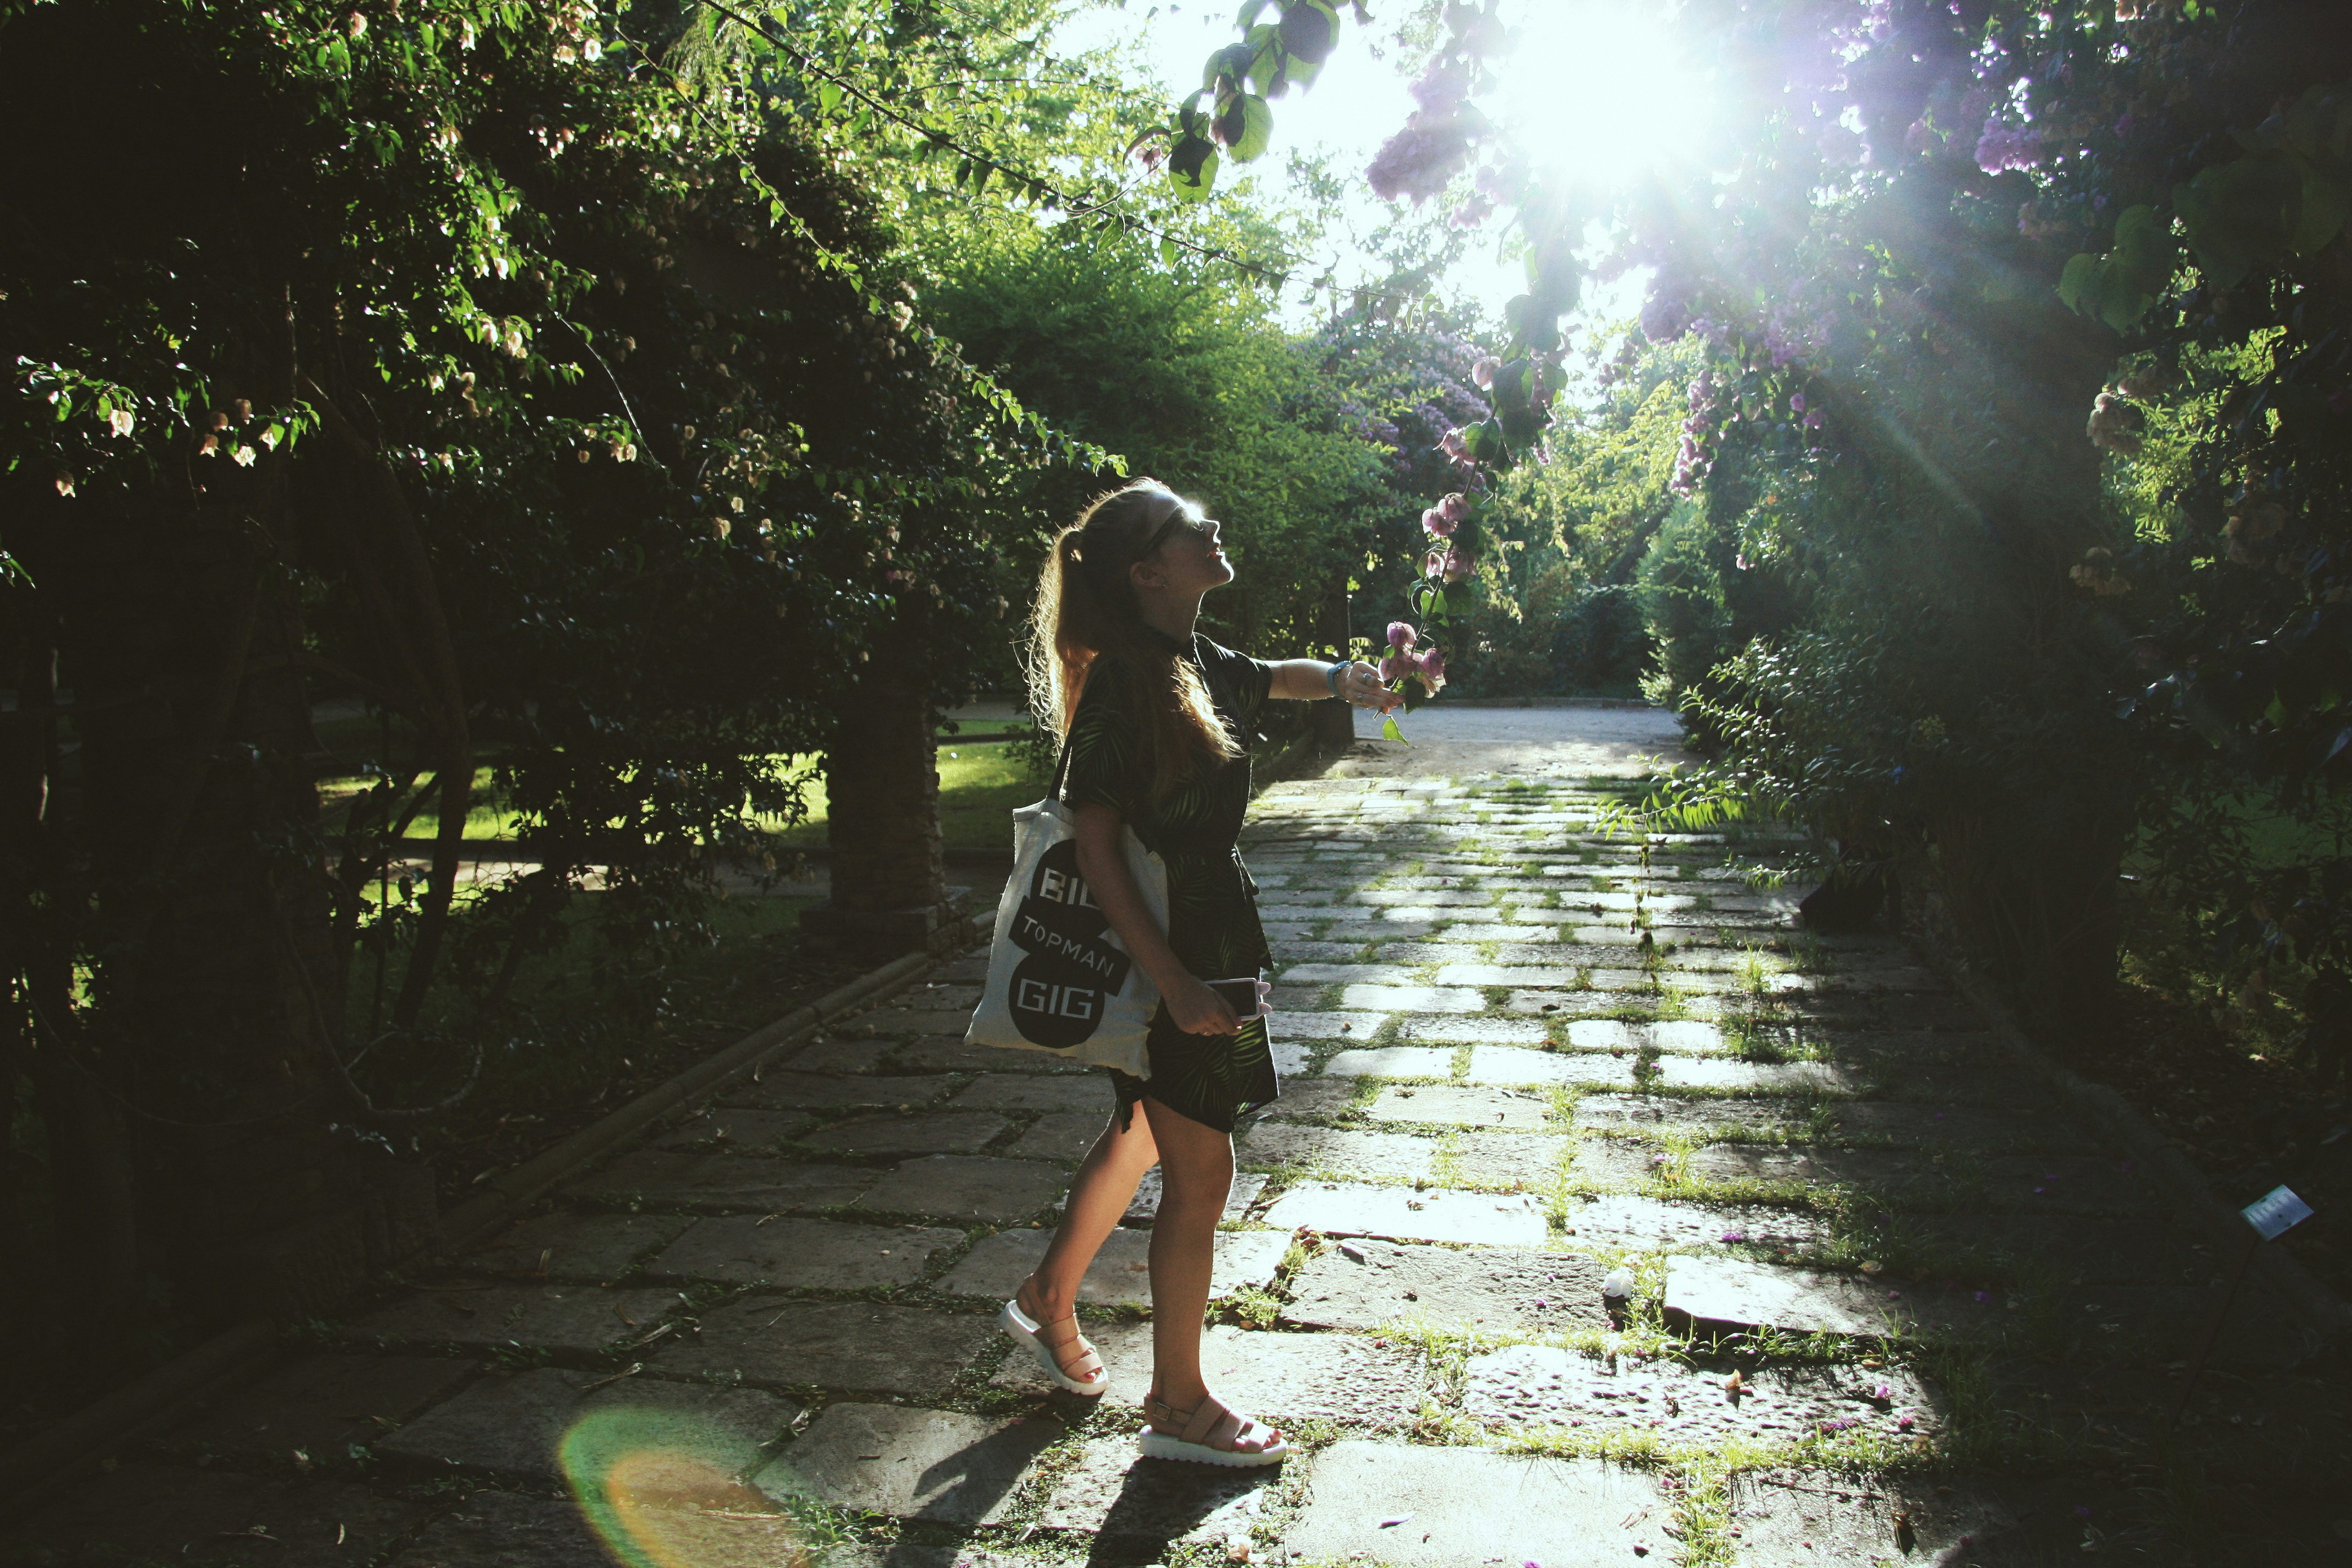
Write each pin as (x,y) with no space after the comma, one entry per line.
(1196,1176)
(1103,1186)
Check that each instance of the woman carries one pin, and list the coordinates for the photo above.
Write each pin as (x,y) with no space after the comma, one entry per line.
(1155,721)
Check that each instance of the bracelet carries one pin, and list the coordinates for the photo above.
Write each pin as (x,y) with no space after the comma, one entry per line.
(1331,677)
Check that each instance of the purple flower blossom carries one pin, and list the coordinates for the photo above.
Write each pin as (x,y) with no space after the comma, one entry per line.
(1433,666)
(1796,403)
(2004,146)
(1402,635)
(1455,445)
(1440,90)
(1455,505)
(1813,418)
(1419,161)
(1435,523)
(1472,213)
(1882,1393)
(1917,138)
(1733,1236)
(1667,314)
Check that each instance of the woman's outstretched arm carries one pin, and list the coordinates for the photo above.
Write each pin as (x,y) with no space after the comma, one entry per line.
(1311,680)
(1196,1009)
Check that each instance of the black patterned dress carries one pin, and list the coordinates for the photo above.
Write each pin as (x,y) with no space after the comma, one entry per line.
(1213,924)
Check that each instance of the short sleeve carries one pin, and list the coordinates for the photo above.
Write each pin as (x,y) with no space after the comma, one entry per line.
(1105,763)
(1244,683)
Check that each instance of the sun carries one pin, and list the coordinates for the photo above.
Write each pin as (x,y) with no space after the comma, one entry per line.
(1599,91)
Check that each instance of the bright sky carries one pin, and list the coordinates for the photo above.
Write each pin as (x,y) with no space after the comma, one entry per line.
(1590,88)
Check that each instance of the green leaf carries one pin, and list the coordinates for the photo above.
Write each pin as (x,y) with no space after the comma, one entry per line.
(1390,732)
(2325,204)
(1193,168)
(828,96)
(1169,250)
(1247,125)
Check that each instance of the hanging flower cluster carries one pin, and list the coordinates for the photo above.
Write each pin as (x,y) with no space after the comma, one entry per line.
(1409,658)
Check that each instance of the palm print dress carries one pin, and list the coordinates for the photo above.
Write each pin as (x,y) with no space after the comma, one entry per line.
(1213,924)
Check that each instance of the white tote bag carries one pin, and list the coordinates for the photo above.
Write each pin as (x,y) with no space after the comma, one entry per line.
(1058,978)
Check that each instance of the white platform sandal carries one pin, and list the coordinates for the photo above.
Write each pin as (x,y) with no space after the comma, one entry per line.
(1093,1377)
(1207,1434)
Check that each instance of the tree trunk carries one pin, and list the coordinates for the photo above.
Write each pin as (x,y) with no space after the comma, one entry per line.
(882,802)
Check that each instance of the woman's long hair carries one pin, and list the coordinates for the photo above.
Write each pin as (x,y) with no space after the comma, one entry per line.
(1088,620)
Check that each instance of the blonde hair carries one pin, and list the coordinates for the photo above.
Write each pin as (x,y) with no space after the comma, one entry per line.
(1087,613)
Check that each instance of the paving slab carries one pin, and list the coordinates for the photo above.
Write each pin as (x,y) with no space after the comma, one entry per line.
(1513,1068)
(1507,1161)
(1327,1151)
(1809,1165)
(1412,998)
(943,1053)
(969,1189)
(1113,1492)
(511,1425)
(167,1513)
(945,1021)
(825,1054)
(935,1132)
(1239,1197)
(749,1129)
(1784,1518)
(1312,1096)
(1719,1292)
(504,1530)
(830,1091)
(1660,1115)
(1540,1385)
(1345,1378)
(1120,1274)
(1455,1030)
(1035,1091)
(1342,1209)
(853,1346)
(1601,1162)
(1410,1506)
(600,1247)
(684,1180)
(1347,974)
(320,1405)
(937,1465)
(1759,1077)
(1458,1105)
(547,1316)
(1354,1026)
(1391,1061)
(1063,1136)
(1652,1223)
(803,1254)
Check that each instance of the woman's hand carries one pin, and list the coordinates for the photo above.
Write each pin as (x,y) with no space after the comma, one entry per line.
(1359,684)
(1197,1010)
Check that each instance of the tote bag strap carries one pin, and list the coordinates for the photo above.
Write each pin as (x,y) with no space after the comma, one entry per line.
(1061,772)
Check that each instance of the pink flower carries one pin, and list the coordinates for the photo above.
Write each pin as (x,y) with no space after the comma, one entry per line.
(1455,446)
(1440,90)
(1433,666)
(1402,635)
(2007,147)
(1483,372)
(1904,1422)
(1456,507)
(1434,564)
(1436,522)
(1813,418)
(1395,666)
(1472,213)
(1796,403)
(1882,1393)
(1456,565)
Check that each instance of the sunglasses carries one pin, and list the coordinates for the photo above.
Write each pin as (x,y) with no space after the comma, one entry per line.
(1181,517)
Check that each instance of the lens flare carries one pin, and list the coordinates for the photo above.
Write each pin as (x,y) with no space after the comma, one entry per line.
(660,1488)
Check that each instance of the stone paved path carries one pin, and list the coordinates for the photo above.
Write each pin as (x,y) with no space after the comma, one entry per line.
(1889,1303)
